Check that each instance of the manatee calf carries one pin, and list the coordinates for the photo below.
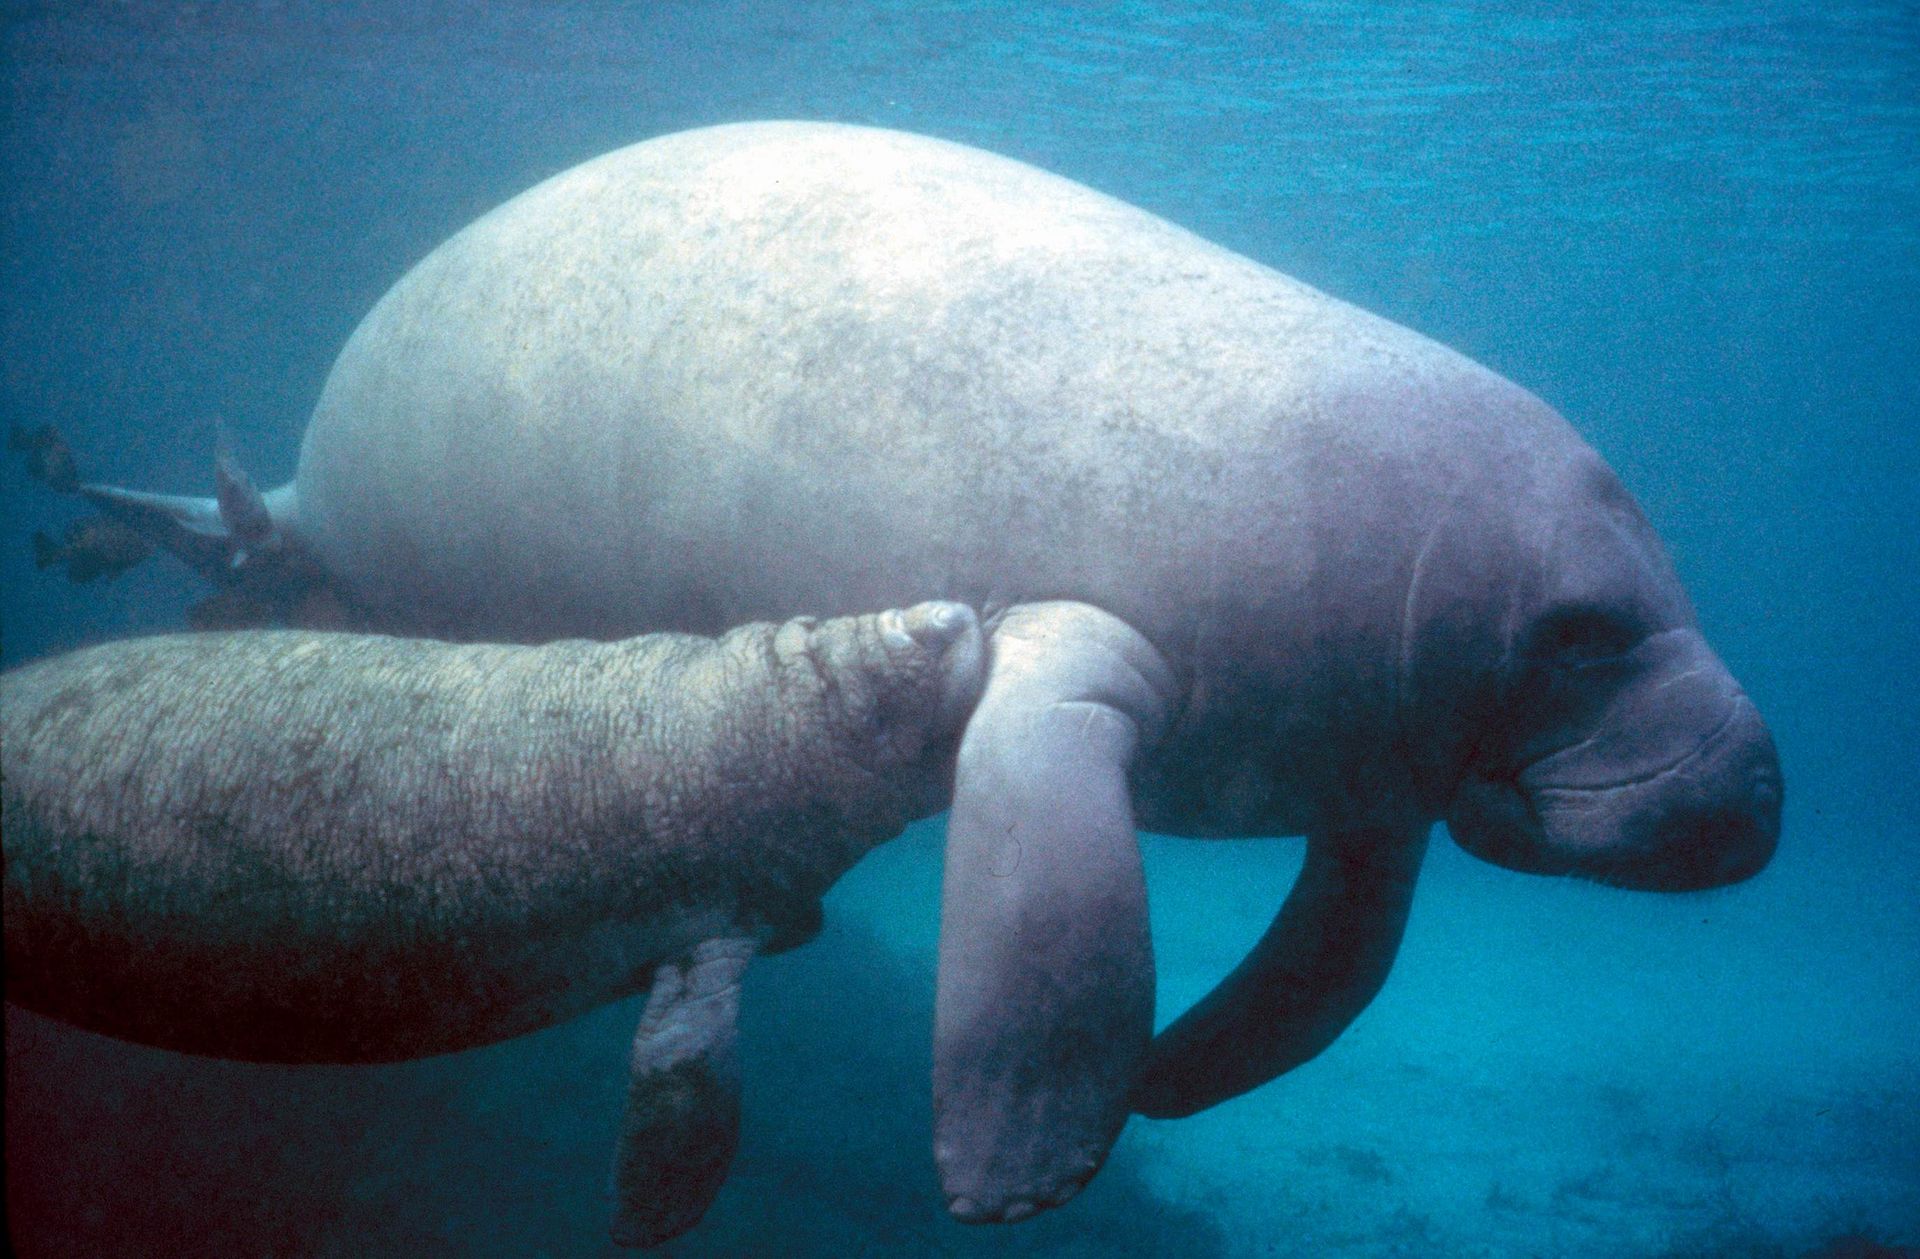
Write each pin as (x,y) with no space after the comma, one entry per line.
(302,847)
(1254,561)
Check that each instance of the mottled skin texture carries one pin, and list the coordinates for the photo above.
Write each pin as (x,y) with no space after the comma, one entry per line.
(306,847)
(1256,562)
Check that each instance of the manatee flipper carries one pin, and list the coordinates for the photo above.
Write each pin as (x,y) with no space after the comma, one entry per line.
(1045,1001)
(1319,964)
(682,1119)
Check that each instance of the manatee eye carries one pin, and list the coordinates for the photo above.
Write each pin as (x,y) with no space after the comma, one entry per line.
(1582,635)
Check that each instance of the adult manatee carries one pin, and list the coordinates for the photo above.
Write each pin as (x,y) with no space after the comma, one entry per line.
(300,847)
(1256,563)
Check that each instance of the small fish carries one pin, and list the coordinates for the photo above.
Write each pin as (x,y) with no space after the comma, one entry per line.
(92,548)
(49,458)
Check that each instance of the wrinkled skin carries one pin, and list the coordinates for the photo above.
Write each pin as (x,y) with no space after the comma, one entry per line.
(301,847)
(1255,562)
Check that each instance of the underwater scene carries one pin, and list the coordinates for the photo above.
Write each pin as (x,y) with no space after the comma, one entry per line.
(1020,320)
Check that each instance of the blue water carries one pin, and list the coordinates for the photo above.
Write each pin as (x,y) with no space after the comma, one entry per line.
(1693,227)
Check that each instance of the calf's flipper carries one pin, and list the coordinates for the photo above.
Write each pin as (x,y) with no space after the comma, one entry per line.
(681,1124)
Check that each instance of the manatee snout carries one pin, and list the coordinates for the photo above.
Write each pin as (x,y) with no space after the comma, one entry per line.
(1728,835)
(1709,820)
(1672,784)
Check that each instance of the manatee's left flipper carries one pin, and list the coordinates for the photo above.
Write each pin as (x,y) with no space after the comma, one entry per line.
(1315,969)
(682,1119)
(1045,1002)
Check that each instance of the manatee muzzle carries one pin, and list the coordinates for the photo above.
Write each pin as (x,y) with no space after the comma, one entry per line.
(1709,819)
(1640,803)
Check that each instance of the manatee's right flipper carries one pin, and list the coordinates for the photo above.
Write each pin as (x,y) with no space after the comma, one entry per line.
(682,1119)
(91,549)
(1045,1001)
